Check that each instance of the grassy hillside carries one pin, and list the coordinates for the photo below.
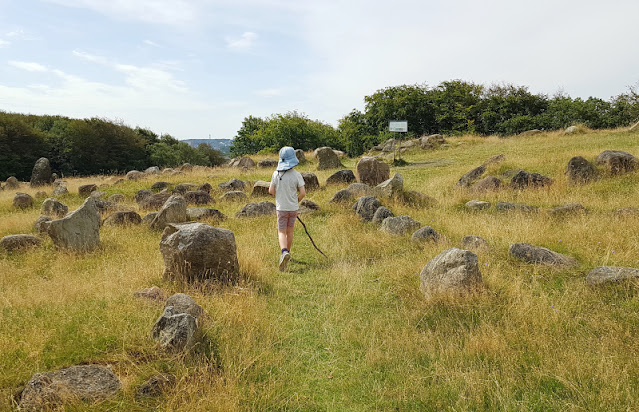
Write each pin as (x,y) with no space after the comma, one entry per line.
(354,332)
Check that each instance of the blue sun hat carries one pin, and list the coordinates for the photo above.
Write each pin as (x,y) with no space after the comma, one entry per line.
(288,159)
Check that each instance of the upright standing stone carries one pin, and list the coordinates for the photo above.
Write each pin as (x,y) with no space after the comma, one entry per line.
(327,159)
(311,182)
(392,187)
(580,170)
(80,230)
(53,207)
(41,174)
(372,171)
(173,211)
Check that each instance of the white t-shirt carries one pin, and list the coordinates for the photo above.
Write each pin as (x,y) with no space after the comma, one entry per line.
(286,184)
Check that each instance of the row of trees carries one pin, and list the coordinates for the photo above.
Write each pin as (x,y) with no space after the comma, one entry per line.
(89,146)
(453,108)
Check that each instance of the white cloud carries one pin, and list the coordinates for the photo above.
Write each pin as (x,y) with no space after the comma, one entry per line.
(28,66)
(4,43)
(170,12)
(245,42)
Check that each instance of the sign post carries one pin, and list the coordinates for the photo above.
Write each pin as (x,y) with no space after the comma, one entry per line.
(398,126)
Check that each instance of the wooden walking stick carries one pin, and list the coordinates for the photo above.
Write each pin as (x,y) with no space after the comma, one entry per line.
(309,236)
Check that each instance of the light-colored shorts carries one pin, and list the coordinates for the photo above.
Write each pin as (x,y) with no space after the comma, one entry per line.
(286,218)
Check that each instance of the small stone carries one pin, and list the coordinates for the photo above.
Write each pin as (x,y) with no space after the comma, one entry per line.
(260,188)
(540,255)
(474,242)
(400,225)
(234,196)
(425,234)
(611,274)
(342,196)
(380,214)
(123,218)
(342,176)
(152,293)
(477,205)
(202,213)
(453,271)
(263,208)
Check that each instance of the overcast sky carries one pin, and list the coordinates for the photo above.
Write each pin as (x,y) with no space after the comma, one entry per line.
(197,68)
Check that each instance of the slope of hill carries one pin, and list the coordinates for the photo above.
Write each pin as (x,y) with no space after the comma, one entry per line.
(354,331)
(223,145)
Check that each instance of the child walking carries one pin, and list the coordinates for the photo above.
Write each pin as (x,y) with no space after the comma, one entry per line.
(287,185)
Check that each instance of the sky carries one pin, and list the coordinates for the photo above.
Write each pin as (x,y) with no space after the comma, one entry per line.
(197,68)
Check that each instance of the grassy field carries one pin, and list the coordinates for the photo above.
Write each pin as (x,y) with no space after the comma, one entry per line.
(353,332)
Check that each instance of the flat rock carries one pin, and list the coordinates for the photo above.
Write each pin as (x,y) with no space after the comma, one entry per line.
(89,383)
(519,207)
(568,209)
(341,176)
(12,243)
(467,179)
(201,213)
(152,293)
(540,255)
(477,205)
(400,225)
(610,274)
(360,189)
(308,206)
(123,218)
(263,208)
(487,184)
(616,162)
(234,196)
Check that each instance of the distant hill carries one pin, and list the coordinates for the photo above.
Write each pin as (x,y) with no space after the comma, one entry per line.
(223,145)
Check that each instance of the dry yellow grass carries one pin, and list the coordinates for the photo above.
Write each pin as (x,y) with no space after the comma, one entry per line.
(353,332)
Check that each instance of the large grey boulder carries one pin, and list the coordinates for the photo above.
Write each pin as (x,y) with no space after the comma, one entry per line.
(263,208)
(182,188)
(311,182)
(540,255)
(327,159)
(85,190)
(524,179)
(154,201)
(153,170)
(425,234)
(400,225)
(53,207)
(123,218)
(366,206)
(195,252)
(611,274)
(79,230)
(380,214)
(22,201)
(372,171)
(392,187)
(432,141)
(157,186)
(175,331)
(360,189)
(341,176)
(487,184)
(474,242)
(12,183)
(198,197)
(308,206)
(616,162)
(173,211)
(454,271)
(242,162)
(50,390)
(200,213)
(342,196)
(260,188)
(135,175)
(183,303)
(580,170)
(39,226)
(233,184)
(16,242)
(41,174)
(467,179)
(234,196)
(60,190)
